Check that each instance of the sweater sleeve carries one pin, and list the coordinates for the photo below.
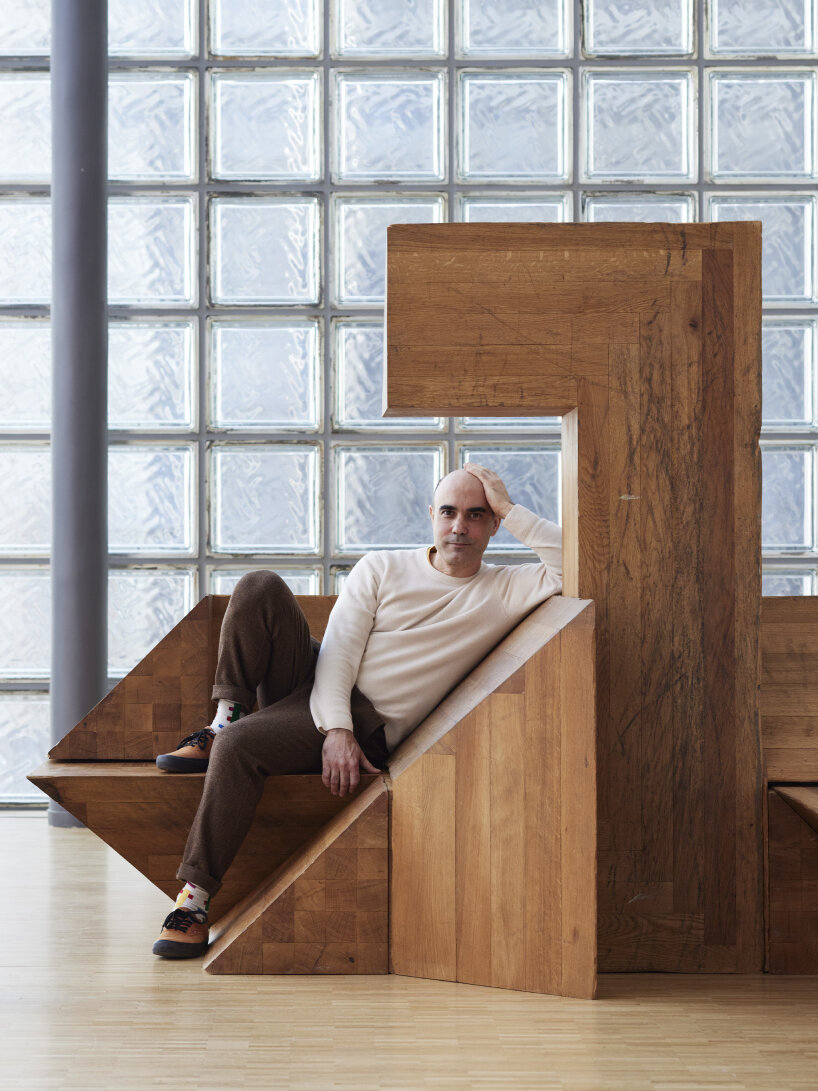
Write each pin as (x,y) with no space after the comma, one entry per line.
(342,648)
(544,537)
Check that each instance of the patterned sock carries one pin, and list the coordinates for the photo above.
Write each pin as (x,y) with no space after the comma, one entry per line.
(195,899)
(227,713)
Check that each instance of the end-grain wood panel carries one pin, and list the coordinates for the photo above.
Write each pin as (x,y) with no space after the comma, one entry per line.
(647,339)
(789,687)
(167,694)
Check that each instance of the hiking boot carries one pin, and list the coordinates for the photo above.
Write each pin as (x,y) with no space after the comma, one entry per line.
(192,754)
(183,935)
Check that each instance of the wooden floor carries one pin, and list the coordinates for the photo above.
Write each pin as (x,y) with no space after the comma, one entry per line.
(84,1005)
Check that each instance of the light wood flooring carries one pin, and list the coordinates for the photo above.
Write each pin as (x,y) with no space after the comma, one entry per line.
(84,1005)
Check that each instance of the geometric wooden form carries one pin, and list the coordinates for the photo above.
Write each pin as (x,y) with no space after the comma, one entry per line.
(789,688)
(326,911)
(645,338)
(493,822)
(793,881)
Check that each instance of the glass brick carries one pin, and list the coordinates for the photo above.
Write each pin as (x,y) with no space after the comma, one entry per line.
(25,635)
(150,127)
(150,375)
(25,375)
(25,250)
(514,126)
(339,577)
(389,28)
(150,499)
(25,127)
(25,514)
(265,28)
(762,126)
(514,28)
(508,424)
(265,251)
(143,606)
(301,581)
(756,28)
(640,208)
(360,242)
(25,28)
(265,499)
(358,385)
(266,125)
(532,477)
(639,126)
(777,582)
(388,127)
(788,241)
(152,28)
(788,373)
(491,209)
(152,251)
(25,739)
(265,375)
(645,28)
(383,496)
(787,517)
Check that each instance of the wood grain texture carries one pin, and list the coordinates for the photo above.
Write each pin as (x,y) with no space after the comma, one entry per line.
(789,688)
(325,911)
(647,339)
(494,822)
(793,887)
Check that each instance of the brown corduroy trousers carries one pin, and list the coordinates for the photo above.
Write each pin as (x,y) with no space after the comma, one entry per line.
(265,652)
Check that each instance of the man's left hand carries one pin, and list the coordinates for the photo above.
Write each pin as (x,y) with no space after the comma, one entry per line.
(496,492)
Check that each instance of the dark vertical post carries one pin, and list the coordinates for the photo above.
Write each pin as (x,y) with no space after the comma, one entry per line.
(79,91)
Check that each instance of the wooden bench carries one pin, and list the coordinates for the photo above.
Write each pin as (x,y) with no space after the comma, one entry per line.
(473,859)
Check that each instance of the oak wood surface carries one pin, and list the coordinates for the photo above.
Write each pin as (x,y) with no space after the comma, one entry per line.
(793,885)
(789,687)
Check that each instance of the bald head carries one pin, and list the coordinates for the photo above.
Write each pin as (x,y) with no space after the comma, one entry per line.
(463,522)
(460,480)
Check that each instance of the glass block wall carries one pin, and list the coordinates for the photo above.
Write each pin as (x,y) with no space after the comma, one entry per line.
(257,152)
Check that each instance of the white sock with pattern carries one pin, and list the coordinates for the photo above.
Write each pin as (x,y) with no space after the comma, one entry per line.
(195,899)
(227,713)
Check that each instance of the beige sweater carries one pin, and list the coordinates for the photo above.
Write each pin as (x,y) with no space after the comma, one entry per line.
(406,634)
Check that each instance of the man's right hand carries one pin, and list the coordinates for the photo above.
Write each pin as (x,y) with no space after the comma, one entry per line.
(343,759)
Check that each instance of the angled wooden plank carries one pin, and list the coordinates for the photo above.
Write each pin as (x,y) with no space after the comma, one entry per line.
(803,800)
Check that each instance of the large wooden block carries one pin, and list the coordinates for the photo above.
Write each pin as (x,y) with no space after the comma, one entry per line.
(646,339)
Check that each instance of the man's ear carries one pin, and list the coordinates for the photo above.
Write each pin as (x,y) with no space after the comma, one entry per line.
(431,513)
(496,527)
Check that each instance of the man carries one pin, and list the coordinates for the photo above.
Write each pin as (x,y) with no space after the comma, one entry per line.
(408,625)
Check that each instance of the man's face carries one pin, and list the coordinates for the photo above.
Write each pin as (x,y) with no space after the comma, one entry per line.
(462,522)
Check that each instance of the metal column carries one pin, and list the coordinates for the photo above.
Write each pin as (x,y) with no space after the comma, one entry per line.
(79,89)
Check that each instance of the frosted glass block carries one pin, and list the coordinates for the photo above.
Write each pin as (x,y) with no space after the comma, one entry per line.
(25,739)
(389,28)
(152,251)
(383,496)
(788,242)
(787,517)
(514,127)
(152,28)
(301,581)
(360,242)
(788,372)
(25,127)
(358,386)
(150,375)
(25,513)
(25,250)
(143,606)
(638,27)
(514,28)
(639,126)
(388,127)
(760,28)
(266,125)
(150,127)
(25,375)
(150,499)
(776,582)
(556,209)
(508,424)
(265,28)
(265,251)
(532,477)
(25,28)
(676,209)
(265,375)
(762,126)
(25,635)
(265,499)
(339,577)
